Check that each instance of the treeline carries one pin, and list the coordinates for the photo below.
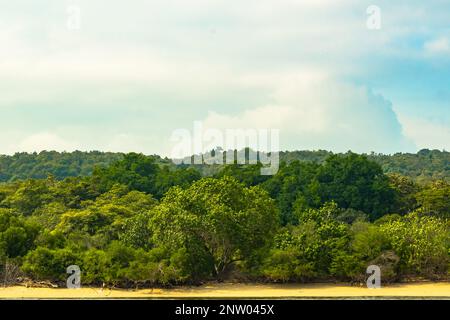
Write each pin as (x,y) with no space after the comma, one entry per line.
(140,222)
(422,167)
(61,165)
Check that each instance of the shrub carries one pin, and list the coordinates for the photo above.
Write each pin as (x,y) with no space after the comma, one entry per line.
(46,264)
(422,244)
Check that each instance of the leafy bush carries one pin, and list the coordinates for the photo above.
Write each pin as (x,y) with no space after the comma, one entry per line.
(422,244)
(47,264)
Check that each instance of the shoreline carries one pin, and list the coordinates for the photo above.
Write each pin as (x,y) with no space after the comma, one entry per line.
(439,290)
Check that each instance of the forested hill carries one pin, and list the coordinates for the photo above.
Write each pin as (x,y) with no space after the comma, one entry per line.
(141,221)
(423,166)
(22,166)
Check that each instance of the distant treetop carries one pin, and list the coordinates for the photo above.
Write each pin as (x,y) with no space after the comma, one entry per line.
(423,166)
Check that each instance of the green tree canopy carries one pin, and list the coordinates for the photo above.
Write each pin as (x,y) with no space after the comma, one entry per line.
(221,216)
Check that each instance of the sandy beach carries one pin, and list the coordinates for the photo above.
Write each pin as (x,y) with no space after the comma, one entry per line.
(232,290)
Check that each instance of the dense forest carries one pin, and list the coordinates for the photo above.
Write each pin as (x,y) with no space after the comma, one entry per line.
(136,220)
(61,165)
(422,167)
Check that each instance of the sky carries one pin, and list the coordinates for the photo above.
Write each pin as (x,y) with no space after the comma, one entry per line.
(125,75)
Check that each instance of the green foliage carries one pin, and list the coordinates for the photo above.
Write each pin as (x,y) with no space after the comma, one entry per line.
(249,175)
(109,217)
(288,265)
(135,171)
(220,217)
(28,196)
(142,173)
(167,178)
(61,165)
(16,234)
(47,264)
(352,181)
(307,250)
(136,232)
(411,245)
(355,182)
(434,199)
(367,245)
(405,193)
(122,265)
(143,221)
(294,183)
(422,243)
(423,167)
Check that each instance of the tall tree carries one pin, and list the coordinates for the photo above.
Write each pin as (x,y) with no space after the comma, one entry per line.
(353,181)
(222,217)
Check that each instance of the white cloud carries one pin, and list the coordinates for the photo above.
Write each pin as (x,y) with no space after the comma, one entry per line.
(290,56)
(426,134)
(438,46)
(325,115)
(46,141)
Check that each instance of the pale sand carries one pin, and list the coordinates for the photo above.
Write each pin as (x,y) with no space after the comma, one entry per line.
(230,290)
